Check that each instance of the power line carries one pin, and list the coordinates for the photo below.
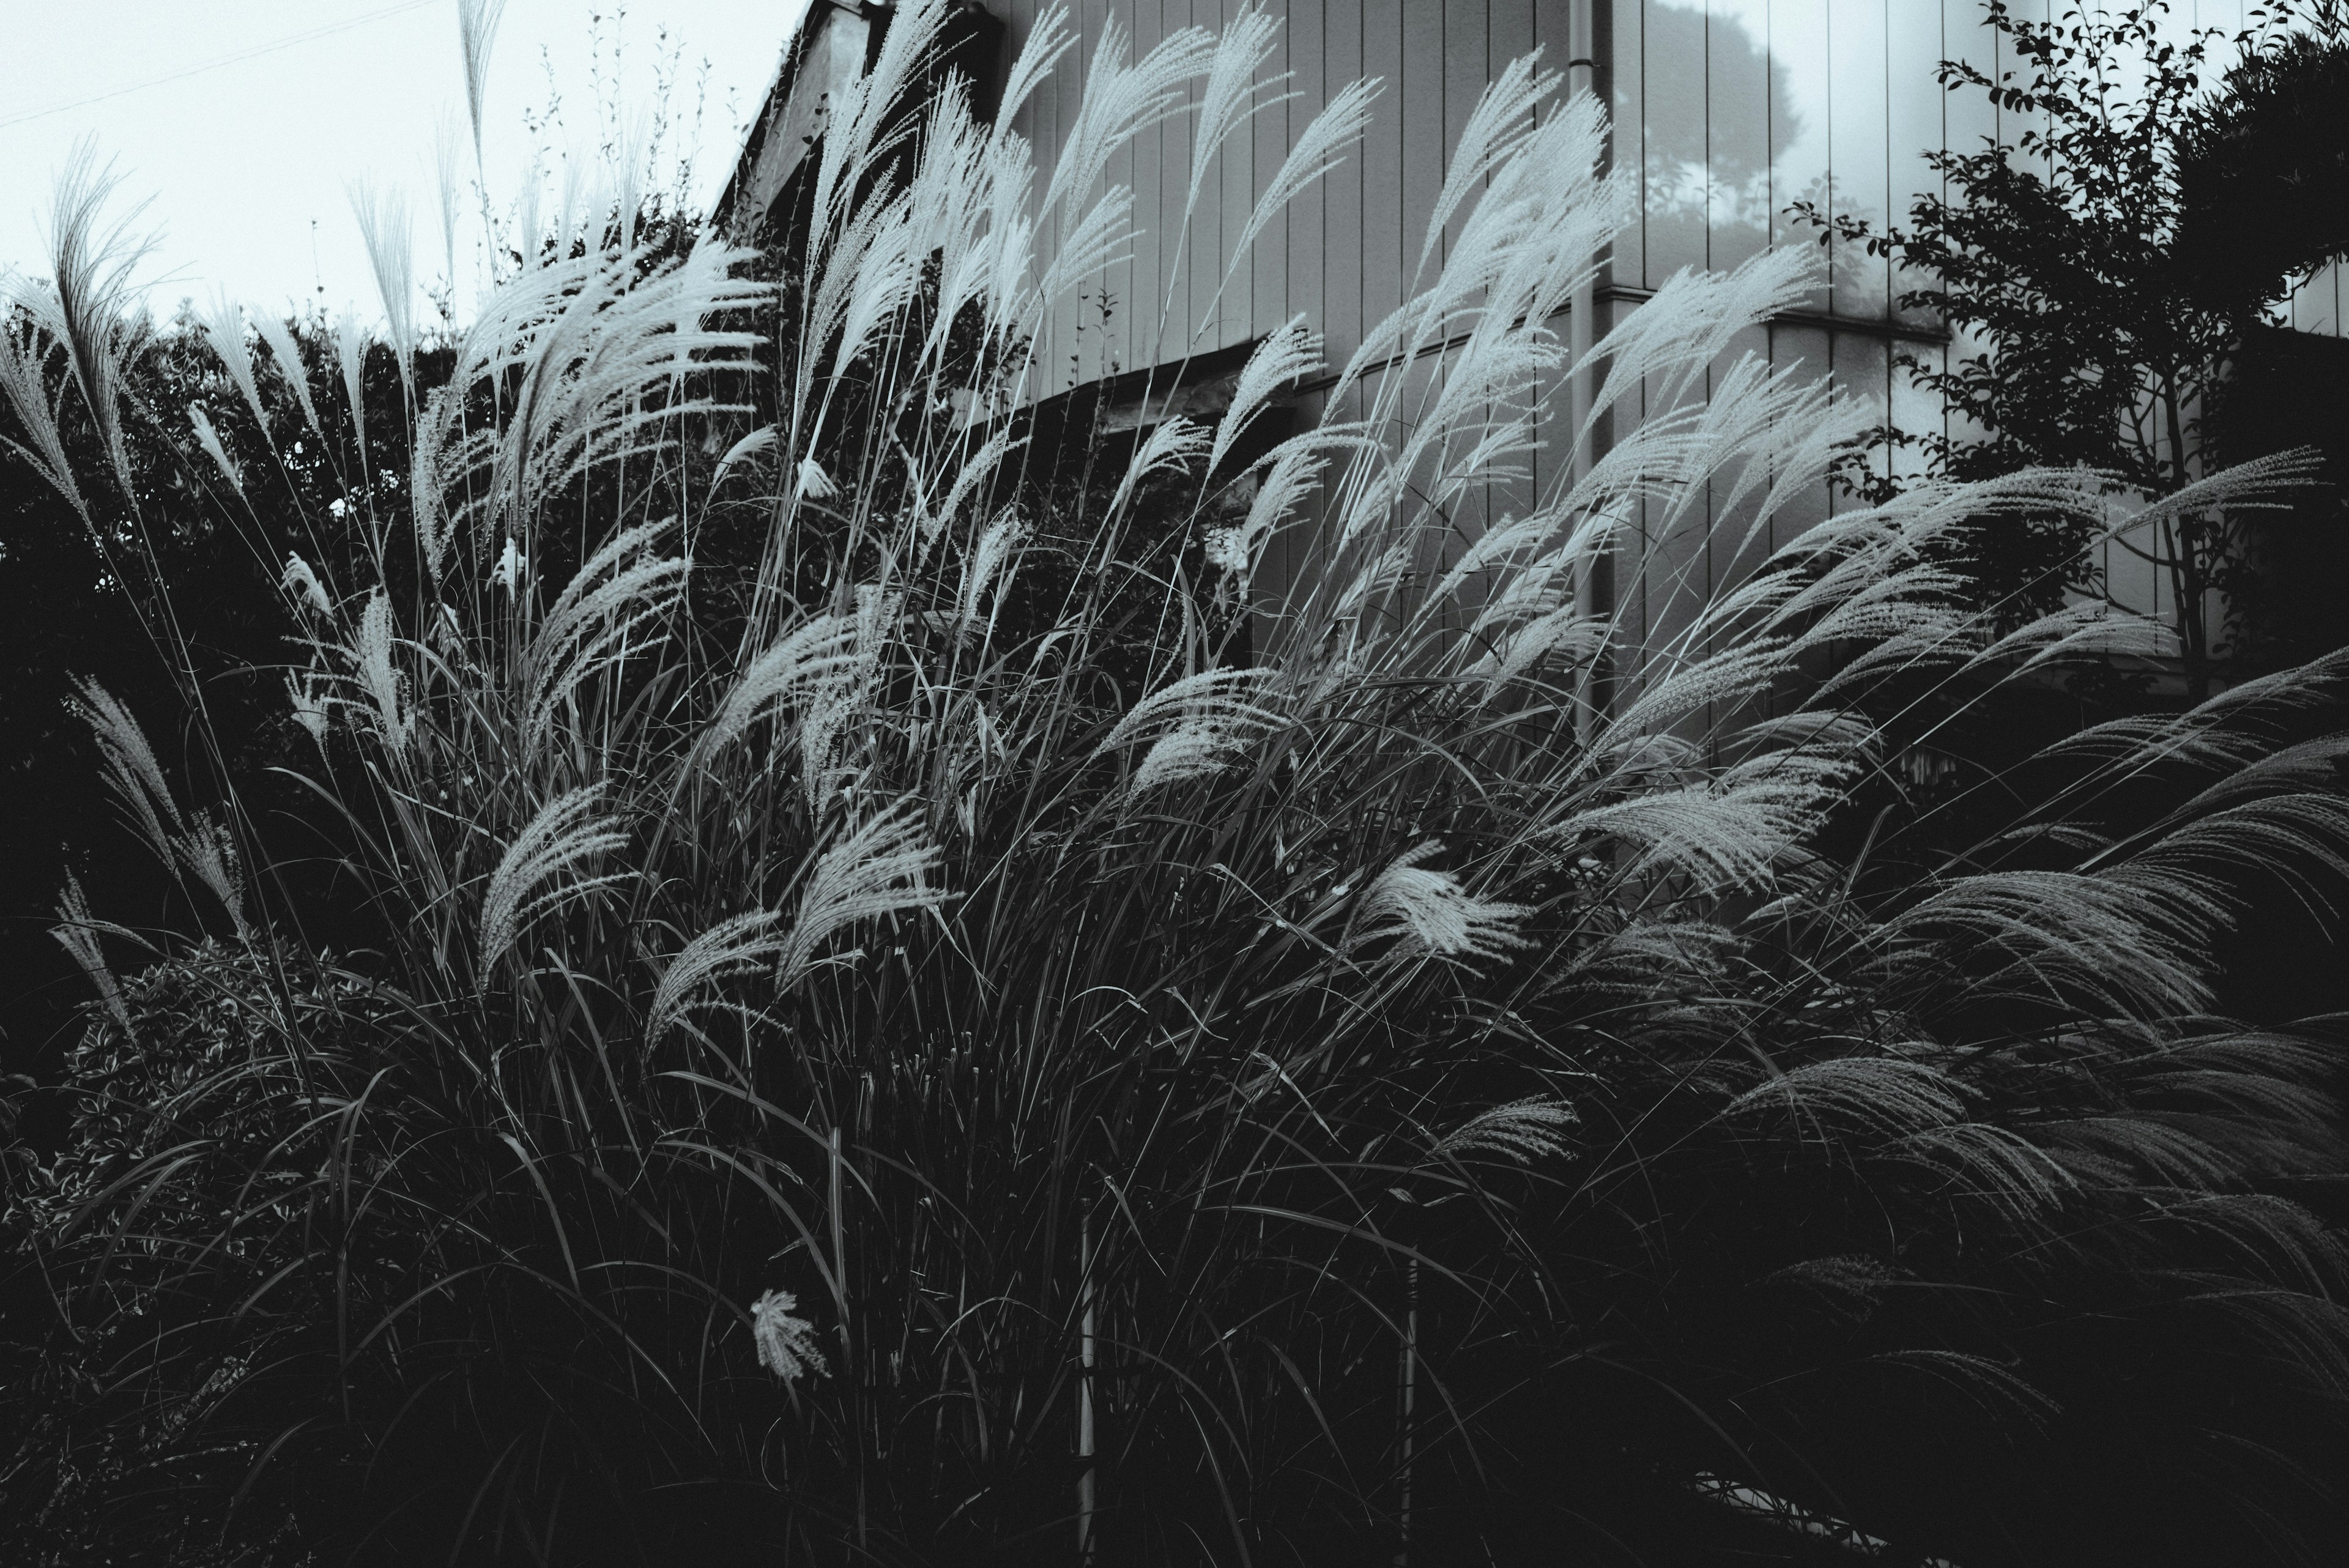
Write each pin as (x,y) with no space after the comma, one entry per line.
(242,55)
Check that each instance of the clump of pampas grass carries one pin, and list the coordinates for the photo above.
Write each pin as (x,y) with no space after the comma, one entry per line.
(859,1079)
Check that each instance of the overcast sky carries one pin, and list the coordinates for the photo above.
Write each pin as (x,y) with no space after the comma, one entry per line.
(243,122)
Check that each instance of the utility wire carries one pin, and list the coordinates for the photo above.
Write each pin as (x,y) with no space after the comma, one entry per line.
(242,55)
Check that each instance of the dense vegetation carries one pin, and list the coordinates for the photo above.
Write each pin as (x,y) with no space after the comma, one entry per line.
(755,1002)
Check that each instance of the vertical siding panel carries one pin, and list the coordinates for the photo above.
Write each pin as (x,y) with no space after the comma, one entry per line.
(1206,258)
(1629,110)
(1855,48)
(1305,246)
(1737,137)
(1510,35)
(1270,263)
(1913,48)
(1173,174)
(1058,102)
(1146,280)
(1235,183)
(1466,38)
(1341,200)
(1800,123)
(1424,144)
(1094,336)
(1382,212)
(1673,136)
(1020,22)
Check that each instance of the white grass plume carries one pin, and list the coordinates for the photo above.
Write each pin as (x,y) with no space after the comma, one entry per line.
(208,851)
(993,560)
(817,649)
(1294,473)
(350,350)
(78,934)
(224,329)
(1287,355)
(1523,1130)
(541,870)
(22,382)
(881,869)
(1320,149)
(130,765)
(209,439)
(738,945)
(1501,121)
(1234,80)
(385,230)
(1172,447)
(604,613)
(288,355)
(477,30)
(380,679)
(1048,38)
(787,1342)
(92,299)
(1434,915)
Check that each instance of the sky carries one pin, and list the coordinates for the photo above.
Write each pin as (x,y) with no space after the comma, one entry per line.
(242,124)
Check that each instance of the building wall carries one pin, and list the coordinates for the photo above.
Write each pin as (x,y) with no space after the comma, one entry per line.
(1725,113)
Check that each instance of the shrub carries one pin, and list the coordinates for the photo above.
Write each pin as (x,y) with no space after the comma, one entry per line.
(866,1079)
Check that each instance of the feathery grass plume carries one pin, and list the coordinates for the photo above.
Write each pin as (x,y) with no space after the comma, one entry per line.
(1121,103)
(209,439)
(22,382)
(1048,38)
(1523,1130)
(288,355)
(1214,724)
(1434,914)
(1207,1096)
(131,768)
(209,850)
(738,945)
(1287,355)
(842,690)
(540,871)
(445,182)
(601,618)
(350,352)
(224,329)
(1320,149)
(302,584)
(749,446)
(1235,78)
(990,565)
(879,869)
(810,654)
(385,230)
(1499,124)
(477,31)
(379,678)
(787,1342)
(310,708)
(1172,447)
(78,933)
(91,301)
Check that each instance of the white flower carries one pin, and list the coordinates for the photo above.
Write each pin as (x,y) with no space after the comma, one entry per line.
(786,1342)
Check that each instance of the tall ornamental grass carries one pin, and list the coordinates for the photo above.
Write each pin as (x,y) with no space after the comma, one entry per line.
(798,1059)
